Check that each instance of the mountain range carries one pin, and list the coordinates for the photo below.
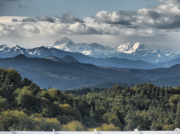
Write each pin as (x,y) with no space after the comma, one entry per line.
(64,74)
(87,53)
(132,51)
(66,65)
(45,51)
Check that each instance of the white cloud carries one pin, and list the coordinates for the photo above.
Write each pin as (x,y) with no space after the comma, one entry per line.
(121,17)
(153,23)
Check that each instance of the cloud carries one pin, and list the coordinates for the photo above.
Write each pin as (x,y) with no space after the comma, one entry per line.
(164,16)
(30,29)
(18,30)
(154,14)
(75,29)
(145,22)
(68,18)
(29,20)
(14,20)
(20,6)
(79,28)
(45,18)
(152,25)
(121,17)
(157,21)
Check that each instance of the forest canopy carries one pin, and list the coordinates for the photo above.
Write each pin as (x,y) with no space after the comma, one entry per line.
(25,106)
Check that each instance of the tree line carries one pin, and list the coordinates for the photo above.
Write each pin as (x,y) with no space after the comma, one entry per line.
(25,106)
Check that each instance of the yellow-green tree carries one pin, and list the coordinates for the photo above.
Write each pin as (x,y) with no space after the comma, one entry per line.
(106,127)
(73,126)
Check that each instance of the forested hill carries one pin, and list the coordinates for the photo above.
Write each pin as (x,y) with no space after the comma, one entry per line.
(65,75)
(24,106)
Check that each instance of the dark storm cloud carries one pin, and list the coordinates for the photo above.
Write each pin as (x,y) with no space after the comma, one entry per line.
(68,18)
(45,18)
(29,20)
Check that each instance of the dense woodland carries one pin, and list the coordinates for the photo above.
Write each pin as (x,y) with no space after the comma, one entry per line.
(25,106)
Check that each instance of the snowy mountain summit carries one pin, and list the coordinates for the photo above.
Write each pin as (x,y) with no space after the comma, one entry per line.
(131,48)
(10,51)
(93,49)
(132,51)
(63,44)
(97,50)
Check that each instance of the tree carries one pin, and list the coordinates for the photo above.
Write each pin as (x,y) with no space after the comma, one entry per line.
(26,82)
(155,126)
(73,126)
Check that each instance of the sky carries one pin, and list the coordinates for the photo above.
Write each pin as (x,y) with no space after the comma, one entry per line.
(33,23)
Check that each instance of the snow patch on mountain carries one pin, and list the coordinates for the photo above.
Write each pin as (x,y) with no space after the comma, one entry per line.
(11,49)
(132,51)
(92,49)
(131,48)
(86,52)
(97,50)
(2,47)
(159,55)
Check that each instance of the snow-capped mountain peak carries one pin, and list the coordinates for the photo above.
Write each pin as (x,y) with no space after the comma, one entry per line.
(64,40)
(63,44)
(92,49)
(15,47)
(98,50)
(11,50)
(133,51)
(2,46)
(131,47)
